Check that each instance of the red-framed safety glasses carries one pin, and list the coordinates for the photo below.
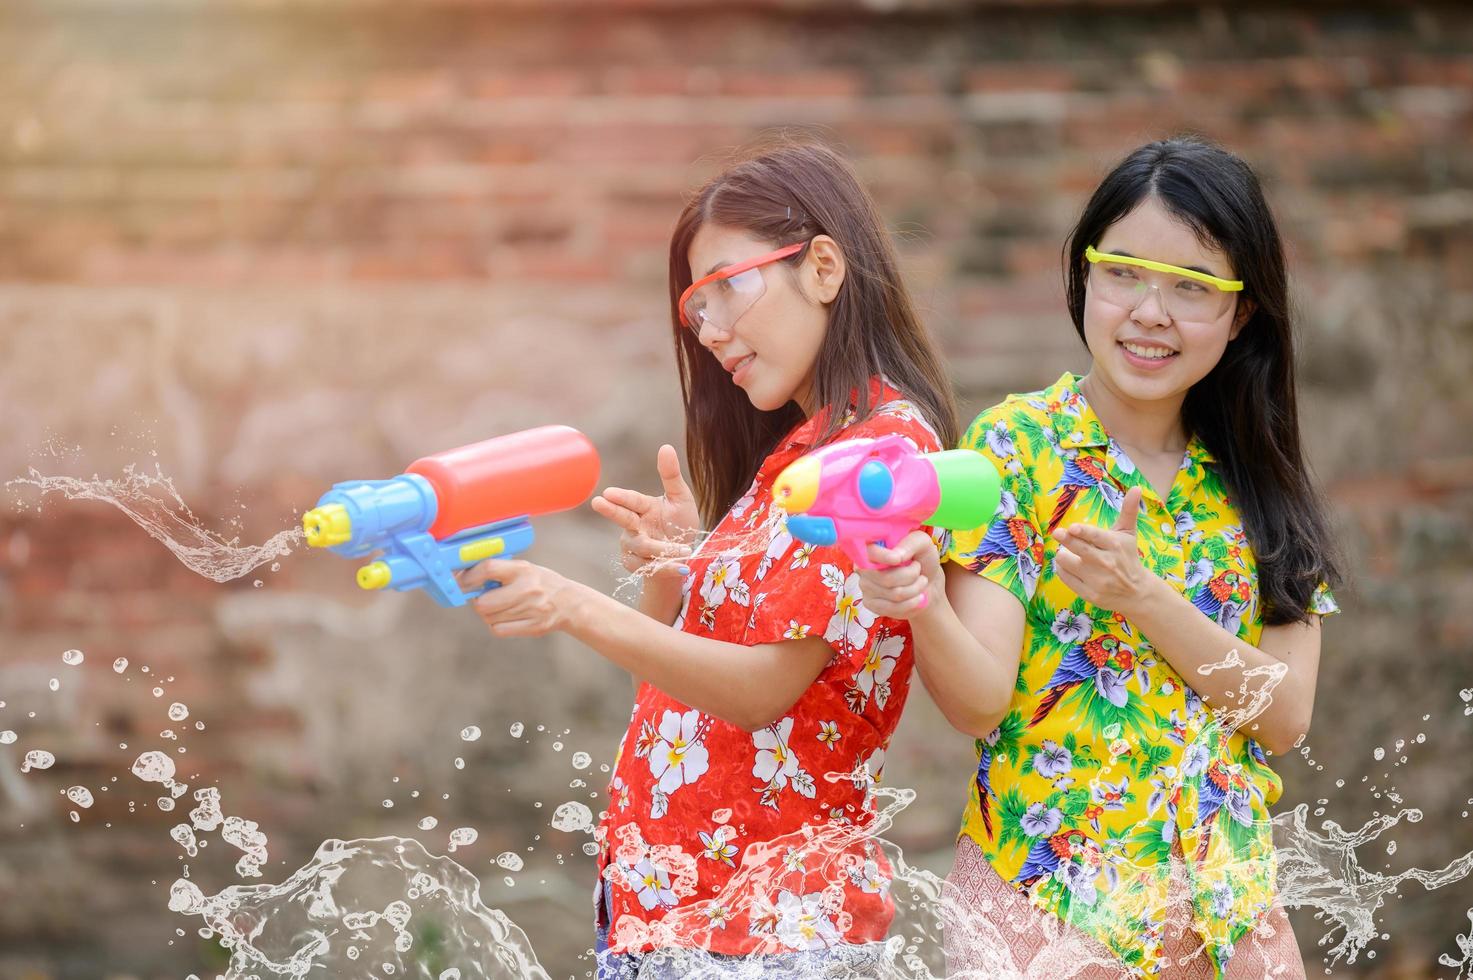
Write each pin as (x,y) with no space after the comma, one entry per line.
(720,299)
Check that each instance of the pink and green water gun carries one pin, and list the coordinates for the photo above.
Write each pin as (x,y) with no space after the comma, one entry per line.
(858,491)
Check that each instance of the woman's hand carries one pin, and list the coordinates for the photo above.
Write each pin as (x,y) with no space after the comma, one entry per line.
(658,533)
(912,582)
(531,600)
(1103,565)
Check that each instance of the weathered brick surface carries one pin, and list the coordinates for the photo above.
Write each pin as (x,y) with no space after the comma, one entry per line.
(282,244)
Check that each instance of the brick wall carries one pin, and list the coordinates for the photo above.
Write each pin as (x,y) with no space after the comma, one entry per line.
(282,244)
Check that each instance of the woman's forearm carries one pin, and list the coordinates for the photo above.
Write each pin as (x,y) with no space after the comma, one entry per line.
(971,685)
(659,598)
(1227,672)
(750,687)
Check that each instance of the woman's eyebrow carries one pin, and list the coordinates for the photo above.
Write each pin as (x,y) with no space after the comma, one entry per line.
(719,265)
(1194,268)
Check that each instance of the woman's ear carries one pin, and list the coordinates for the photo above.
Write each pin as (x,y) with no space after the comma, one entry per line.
(824,269)
(1245,311)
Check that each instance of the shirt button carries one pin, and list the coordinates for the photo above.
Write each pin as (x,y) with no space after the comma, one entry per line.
(1167,528)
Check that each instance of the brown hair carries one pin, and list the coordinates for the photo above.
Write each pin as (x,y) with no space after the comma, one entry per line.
(783,192)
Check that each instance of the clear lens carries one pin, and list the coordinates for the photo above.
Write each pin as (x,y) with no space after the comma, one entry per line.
(1185,298)
(722,302)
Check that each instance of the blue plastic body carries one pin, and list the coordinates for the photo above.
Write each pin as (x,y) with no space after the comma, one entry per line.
(393,516)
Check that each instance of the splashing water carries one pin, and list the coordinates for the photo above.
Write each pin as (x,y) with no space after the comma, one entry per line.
(364,909)
(152,503)
(371,908)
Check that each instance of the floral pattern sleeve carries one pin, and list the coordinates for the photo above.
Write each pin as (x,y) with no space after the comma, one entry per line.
(1322,601)
(1010,550)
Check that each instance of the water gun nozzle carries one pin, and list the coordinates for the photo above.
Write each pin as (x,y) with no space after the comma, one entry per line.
(374,575)
(327,525)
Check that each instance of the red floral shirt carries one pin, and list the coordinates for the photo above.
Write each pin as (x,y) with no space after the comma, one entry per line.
(744,842)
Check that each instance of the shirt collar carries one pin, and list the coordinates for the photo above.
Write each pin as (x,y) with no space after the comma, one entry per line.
(1078,426)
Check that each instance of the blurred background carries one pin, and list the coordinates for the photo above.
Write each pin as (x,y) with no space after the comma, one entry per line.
(265,245)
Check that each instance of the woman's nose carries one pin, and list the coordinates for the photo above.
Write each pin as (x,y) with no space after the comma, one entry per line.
(1152,308)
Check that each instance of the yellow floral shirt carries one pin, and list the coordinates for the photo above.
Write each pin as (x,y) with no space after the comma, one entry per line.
(1107,758)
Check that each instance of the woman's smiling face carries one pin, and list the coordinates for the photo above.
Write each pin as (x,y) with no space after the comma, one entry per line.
(1145,354)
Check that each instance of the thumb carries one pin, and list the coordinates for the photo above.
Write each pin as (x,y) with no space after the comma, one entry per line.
(1130,509)
(668,463)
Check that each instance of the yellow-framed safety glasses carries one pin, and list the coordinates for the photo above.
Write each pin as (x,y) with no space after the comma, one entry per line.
(1185,294)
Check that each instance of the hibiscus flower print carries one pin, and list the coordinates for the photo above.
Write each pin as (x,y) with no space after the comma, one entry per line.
(1052,760)
(724,580)
(852,619)
(1000,440)
(1072,628)
(777,765)
(1040,822)
(828,734)
(802,923)
(678,758)
(802,556)
(870,879)
(777,546)
(874,675)
(796,630)
(651,884)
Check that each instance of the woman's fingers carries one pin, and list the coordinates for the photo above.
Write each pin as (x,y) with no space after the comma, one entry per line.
(891,578)
(622,515)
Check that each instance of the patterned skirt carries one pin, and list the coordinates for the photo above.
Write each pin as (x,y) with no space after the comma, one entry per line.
(992,930)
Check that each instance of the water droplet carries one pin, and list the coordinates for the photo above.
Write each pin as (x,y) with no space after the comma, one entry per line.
(72,657)
(258,583)
(459,762)
(8,737)
(178,712)
(509,860)
(80,795)
(276,566)
(470,733)
(462,837)
(428,823)
(153,767)
(54,684)
(516,729)
(582,760)
(590,848)
(388,804)
(120,665)
(557,746)
(1379,754)
(37,759)
(158,692)
(572,817)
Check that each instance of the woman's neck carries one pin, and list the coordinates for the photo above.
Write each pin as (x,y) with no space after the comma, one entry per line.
(1150,427)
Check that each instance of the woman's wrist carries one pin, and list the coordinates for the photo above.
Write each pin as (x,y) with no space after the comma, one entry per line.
(1153,595)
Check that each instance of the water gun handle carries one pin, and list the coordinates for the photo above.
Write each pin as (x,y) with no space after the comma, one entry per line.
(417,560)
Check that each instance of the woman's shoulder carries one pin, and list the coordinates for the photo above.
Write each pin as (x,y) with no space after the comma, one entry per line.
(895,414)
(1000,424)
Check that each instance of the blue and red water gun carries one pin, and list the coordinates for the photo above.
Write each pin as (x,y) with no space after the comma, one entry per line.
(858,491)
(452,509)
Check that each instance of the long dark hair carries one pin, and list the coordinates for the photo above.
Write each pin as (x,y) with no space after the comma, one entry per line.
(1244,410)
(782,192)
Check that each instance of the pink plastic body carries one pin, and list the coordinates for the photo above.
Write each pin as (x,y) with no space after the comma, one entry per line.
(915,495)
(537,471)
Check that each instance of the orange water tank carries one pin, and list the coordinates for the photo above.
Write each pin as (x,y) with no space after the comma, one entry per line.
(536,471)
